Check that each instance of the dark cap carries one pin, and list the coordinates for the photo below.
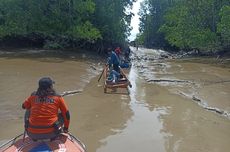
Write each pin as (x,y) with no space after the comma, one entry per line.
(45,82)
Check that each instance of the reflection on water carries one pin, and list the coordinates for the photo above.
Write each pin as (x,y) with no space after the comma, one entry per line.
(98,115)
(142,131)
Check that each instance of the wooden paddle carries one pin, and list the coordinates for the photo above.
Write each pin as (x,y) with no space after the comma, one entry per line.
(123,73)
(102,73)
(65,93)
(10,141)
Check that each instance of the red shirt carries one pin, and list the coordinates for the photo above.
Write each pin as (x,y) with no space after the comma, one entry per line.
(44,112)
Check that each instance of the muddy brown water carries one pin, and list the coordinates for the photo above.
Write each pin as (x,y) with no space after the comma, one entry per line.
(160,113)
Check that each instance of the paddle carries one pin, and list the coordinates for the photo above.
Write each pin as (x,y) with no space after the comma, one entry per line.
(26,123)
(11,140)
(24,135)
(130,85)
(102,73)
(65,93)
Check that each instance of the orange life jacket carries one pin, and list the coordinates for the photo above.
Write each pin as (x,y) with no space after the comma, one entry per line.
(44,112)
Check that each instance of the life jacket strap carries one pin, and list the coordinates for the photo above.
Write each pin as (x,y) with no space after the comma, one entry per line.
(40,127)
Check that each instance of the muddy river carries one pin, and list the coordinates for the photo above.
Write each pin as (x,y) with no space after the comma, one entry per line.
(173,106)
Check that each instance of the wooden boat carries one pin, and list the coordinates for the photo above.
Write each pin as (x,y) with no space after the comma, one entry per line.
(121,83)
(63,143)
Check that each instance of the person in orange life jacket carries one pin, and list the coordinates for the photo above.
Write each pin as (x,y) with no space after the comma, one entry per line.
(44,121)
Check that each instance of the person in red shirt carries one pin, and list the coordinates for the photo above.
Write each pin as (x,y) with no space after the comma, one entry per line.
(44,105)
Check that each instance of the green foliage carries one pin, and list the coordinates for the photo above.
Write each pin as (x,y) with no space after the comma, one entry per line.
(224,25)
(52,45)
(85,31)
(112,19)
(85,7)
(186,24)
(10,18)
(184,32)
(82,20)
(151,19)
(139,39)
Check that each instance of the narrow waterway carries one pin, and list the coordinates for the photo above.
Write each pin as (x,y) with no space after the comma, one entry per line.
(169,108)
(165,116)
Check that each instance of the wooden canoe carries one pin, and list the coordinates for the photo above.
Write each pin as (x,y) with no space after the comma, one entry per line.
(121,83)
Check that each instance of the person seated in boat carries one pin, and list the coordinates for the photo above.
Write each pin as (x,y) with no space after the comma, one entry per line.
(125,64)
(114,65)
(114,59)
(120,63)
(44,106)
(114,76)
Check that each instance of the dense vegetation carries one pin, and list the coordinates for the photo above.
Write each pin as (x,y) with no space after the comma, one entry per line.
(202,25)
(65,23)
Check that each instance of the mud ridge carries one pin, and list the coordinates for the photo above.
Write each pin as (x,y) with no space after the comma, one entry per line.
(167,80)
(205,106)
(216,82)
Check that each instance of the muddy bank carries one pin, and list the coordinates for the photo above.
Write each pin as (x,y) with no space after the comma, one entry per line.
(204,80)
(214,61)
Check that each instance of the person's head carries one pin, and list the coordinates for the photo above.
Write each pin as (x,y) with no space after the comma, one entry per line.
(109,51)
(118,50)
(45,86)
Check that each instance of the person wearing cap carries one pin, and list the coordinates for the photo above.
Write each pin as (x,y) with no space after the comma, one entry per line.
(44,120)
(114,61)
(114,65)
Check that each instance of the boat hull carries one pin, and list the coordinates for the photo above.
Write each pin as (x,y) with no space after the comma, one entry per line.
(121,83)
(63,143)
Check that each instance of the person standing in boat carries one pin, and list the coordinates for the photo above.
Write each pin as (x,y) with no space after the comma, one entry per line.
(44,120)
